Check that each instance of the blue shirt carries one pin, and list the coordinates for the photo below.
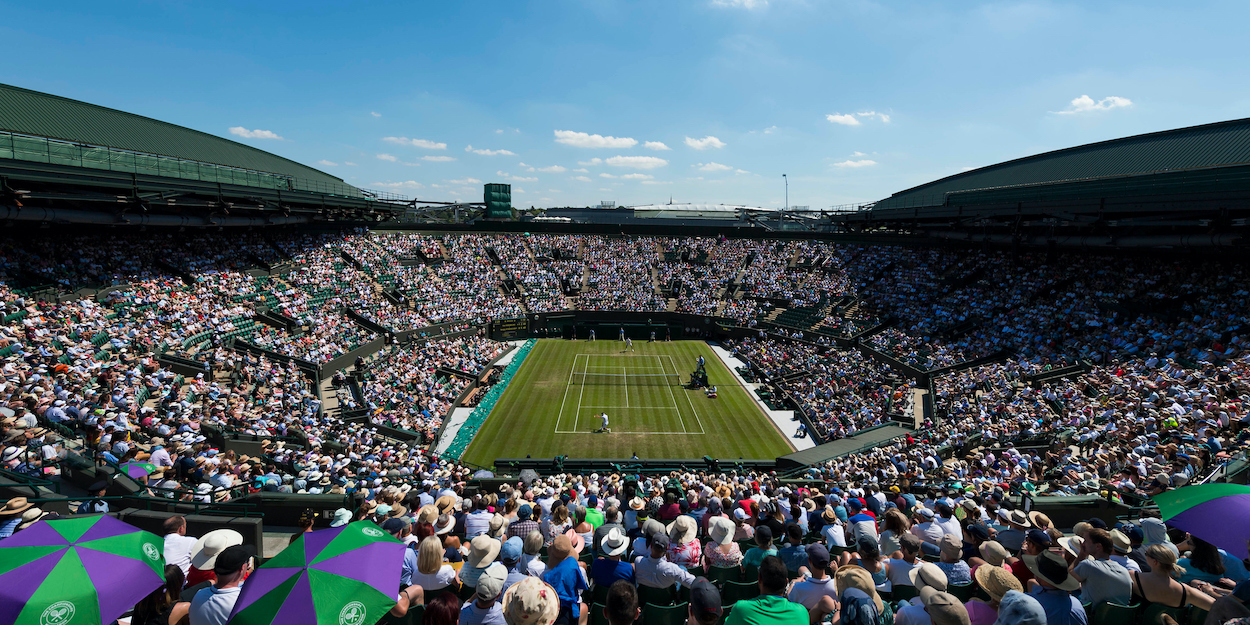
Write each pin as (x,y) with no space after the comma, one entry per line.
(1061,607)
(410,566)
(8,527)
(566,579)
(605,572)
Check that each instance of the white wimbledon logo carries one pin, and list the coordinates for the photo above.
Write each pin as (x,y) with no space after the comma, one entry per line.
(151,552)
(58,613)
(371,531)
(352,614)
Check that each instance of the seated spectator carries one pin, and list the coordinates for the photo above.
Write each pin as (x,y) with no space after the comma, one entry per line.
(793,553)
(705,603)
(1017,608)
(684,548)
(655,571)
(762,549)
(1054,585)
(483,609)
(721,551)
(957,571)
(432,573)
(212,605)
(868,556)
(1100,578)
(510,556)
(1159,586)
(609,568)
(900,568)
(858,601)
(622,604)
(924,576)
(178,545)
(771,607)
(810,591)
(566,577)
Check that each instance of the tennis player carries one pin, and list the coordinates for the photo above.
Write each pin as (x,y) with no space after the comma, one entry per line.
(629,344)
(603,423)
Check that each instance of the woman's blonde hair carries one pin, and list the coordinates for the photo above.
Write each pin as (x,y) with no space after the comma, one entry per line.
(430,555)
(1166,559)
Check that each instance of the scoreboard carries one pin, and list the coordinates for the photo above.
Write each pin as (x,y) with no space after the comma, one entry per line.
(510,329)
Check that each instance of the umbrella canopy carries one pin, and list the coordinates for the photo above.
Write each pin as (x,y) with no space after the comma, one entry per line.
(1213,512)
(82,571)
(345,575)
(137,470)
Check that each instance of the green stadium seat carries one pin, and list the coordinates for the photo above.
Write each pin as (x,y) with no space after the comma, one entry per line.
(962,592)
(737,591)
(1108,613)
(657,596)
(597,616)
(903,593)
(718,575)
(665,615)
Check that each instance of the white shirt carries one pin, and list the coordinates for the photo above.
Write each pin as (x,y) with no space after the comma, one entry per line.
(809,592)
(178,551)
(212,605)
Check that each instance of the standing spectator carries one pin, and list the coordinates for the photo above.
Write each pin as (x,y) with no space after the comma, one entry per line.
(178,545)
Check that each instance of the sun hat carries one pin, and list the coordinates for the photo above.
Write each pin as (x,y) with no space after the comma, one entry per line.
(855,576)
(576,542)
(497,526)
(205,551)
(614,543)
(996,580)
(31,516)
(560,549)
(490,583)
(721,530)
(1039,519)
(428,514)
(14,507)
(1018,517)
(993,552)
(829,515)
(682,530)
(943,608)
(444,524)
(952,546)
(1120,541)
(927,574)
(1051,568)
(1072,544)
(341,517)
(530,601)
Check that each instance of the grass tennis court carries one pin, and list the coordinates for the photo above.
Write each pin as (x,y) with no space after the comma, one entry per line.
(552,405)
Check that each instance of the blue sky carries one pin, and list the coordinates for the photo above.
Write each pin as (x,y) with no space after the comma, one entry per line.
(574,102)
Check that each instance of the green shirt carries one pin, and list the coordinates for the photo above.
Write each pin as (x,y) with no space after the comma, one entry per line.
(755,555)
(594,517)
(767,610)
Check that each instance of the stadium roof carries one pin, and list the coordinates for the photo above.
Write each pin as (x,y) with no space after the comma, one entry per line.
(27,112)
(1198,147)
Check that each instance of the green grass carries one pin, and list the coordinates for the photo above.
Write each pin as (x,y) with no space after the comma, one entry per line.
(550,407)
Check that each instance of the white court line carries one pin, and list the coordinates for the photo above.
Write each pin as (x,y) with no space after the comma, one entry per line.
(626,373)
(673,398)
(567,386)
(640,433)
(696,412)
(579,395)
(636,407)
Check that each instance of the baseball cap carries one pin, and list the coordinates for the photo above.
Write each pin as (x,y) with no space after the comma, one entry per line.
(660,539)
(704,598)
(511,550)
(763,533)
(818,555)
(232,559)
(490,584)
(1039,537)
(740,514)
(393,525)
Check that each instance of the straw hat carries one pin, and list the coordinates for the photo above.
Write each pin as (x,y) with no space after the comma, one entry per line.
(30,517)
(530,602)
(927,574)
(482,551)
(427,514)
(497,526)
(445,504)
(1072,544)
(1018,517)
(855,576)
(993,552)
(444,524)
(637,503)
(1039,519)
(14,507)
(682,530)
(996,581)
(204,553)
(615,542)
(561,548)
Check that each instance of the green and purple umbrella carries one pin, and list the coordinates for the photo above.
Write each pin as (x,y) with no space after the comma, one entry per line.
(345,575)
(1216,513)
(137,470)
(82,571)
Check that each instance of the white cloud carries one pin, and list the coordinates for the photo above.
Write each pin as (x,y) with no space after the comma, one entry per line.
(375,113)
(606,175)
(420,143)
(845,120)
(1085,104)
(584,140)
(591,162)
(485,152)
(554,191)
(637,177)
(582,170)
(438,159)
(553,169)
(740,4)
(324,163)
(349,164)
(466,181)
(713,167)
(637,162)
(870,114)
(518,190)
(657,182)
(656,145)
(407,184)
(604,189)
(388,157)
(705,143)
(857,153)
(240,131)
(860,163)
(499,131)
(770,130)
(581,178)
(507,176)
(741,171)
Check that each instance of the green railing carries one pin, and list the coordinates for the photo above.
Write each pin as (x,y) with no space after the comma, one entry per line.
(54,152)
(467,431)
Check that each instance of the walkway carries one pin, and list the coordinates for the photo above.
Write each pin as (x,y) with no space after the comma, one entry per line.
(784,419)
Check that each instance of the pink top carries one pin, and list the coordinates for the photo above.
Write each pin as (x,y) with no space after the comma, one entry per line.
(716,557)
(687,555)
(980,613)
